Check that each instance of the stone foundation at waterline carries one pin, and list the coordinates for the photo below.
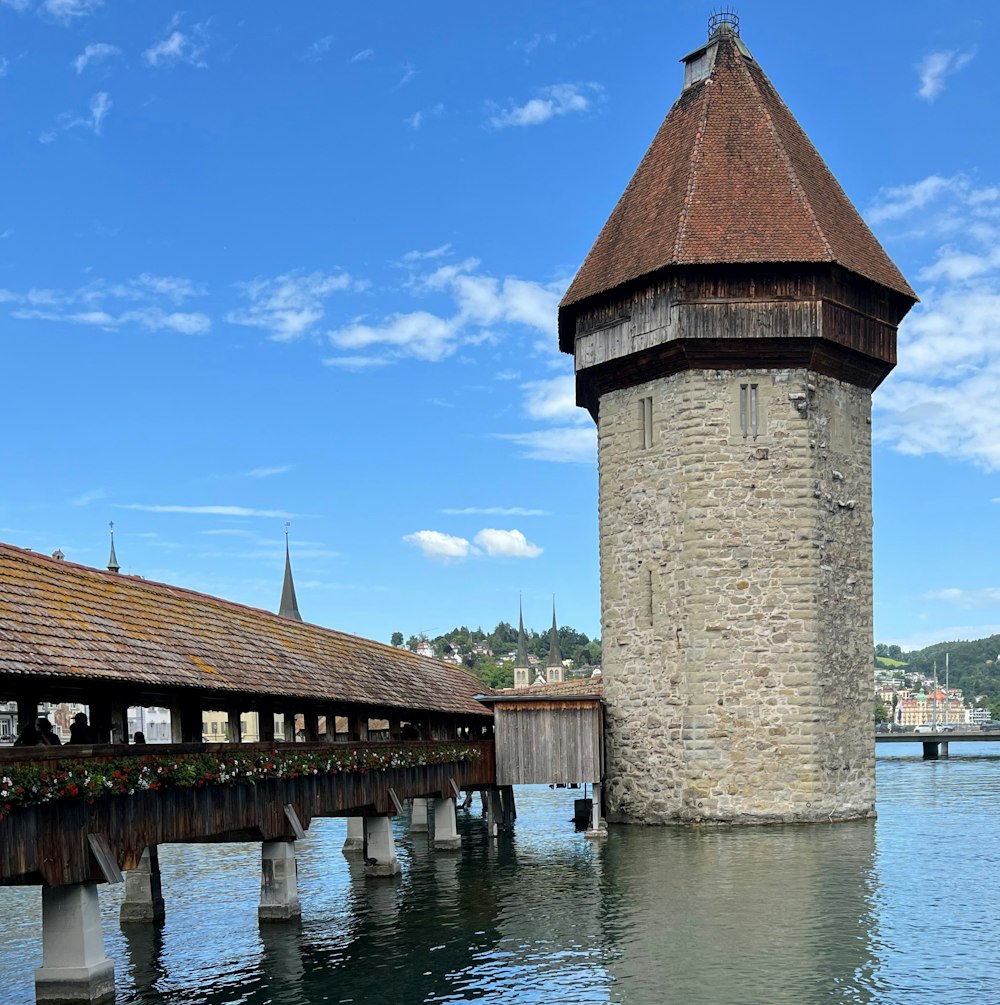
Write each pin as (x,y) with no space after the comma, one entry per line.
(737,598)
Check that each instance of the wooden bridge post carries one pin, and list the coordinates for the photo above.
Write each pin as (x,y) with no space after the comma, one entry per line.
(330,733)
(265,722)
(288,727)
(143,893)
(310,723)
(185,721)
(279,895)
(380,849)
(74,970)
(446,836)
(234,725)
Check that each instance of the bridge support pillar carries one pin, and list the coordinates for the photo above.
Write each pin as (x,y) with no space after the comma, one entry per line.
(74,969)
(944,749)
(595,831)
(143,893)
(380,849)
(418,818)
(446,836)
(279,895)
(930,750)
(355,835)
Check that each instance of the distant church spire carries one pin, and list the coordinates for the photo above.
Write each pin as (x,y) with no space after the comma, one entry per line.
(113,565)
(554,665)
(522,672)
(289,605)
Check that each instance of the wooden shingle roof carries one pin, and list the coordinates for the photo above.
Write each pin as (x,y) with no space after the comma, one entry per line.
(61,620)
(730,178)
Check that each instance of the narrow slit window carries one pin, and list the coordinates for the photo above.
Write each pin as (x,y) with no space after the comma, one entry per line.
(649,595)
(749,412)
(645,423)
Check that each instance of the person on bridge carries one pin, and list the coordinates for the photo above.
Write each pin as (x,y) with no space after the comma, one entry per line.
(46,732)
(80,731)
(29,737)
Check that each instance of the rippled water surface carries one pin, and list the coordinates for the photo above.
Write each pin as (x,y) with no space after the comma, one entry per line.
(904,910)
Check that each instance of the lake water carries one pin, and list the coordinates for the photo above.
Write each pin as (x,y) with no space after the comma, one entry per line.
(904,910)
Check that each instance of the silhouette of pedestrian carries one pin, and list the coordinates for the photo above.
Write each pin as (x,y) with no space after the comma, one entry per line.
(46,732)
(80,731)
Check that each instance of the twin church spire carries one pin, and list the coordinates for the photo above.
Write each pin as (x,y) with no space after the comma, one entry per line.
(554,672)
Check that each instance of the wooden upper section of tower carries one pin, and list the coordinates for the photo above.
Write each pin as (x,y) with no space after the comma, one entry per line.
(730,179)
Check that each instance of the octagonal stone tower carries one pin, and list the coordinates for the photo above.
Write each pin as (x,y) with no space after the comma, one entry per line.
(728,328)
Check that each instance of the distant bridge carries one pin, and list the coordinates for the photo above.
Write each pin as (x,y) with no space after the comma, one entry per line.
(936,744)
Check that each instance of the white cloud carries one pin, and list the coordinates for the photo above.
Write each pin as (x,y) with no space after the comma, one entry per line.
(563,444)
(67,10)
(362,55)
(936,66)
(989,597)
(210,510)
(941,397)
(551,102)
(152,319)
(409,72)
(95,53)
(269,472)
(291,305)
(318,49)
(19,5)
(442,547)
(180,47)
(506,544)
(528,47)
(496,511)
(4,65)
(415,120)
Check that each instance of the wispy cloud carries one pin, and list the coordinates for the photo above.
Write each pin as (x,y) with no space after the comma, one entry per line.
(936,67)
(480,304)
(364,54)
(95,53)
(318,49)
(529,45)
(86,498)
(416,120)
(19,5)
(4,66)
(100,105)
(565,445)
(409,72)
(291,305)
(66,11)
(357,362)
(241,511)
(495,511)
(179,46)
(551,102)
(989,597)
(420,256)
(269,472)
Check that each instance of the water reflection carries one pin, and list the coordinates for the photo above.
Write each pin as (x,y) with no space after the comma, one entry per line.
(741,915)
(899,911)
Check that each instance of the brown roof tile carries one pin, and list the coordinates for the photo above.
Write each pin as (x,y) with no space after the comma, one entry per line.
(730,178)
(58,619)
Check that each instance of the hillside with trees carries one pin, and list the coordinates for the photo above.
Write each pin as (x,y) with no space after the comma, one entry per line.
(487,654)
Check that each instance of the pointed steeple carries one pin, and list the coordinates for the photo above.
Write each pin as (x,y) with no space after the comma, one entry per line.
(553,665)
(522,672)
(113,565)
(289,605)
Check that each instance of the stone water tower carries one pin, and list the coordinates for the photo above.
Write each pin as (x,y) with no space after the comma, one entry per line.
(728,328)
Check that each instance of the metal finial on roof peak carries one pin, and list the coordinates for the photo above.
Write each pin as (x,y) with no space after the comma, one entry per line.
(289,607)
(723,21)
(113,565)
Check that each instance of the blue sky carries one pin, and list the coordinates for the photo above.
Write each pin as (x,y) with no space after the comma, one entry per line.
(264,263)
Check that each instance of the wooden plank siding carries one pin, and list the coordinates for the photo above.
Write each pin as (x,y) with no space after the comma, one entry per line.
(48,844)
(551,742)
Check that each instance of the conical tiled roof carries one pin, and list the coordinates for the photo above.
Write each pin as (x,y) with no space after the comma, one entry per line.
(729,178)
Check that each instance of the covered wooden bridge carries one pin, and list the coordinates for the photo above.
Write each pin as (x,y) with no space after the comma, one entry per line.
(74,816)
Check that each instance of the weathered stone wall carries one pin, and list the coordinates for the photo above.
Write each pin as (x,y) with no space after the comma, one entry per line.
(737,600)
